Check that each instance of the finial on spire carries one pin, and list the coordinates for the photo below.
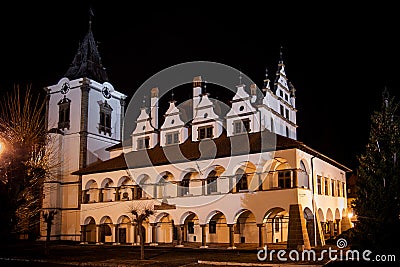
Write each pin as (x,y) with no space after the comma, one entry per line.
(266,73)
(385,96)
(205,87)
(172,96)
(240,78)
(281,54)
(91,15)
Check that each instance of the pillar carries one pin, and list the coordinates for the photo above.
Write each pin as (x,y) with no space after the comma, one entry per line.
(231,237)
(203,236)
(113,226)
(297,232)
(153,234)
(339,227)
(116,234)
(260,234)
(179,232)
(331,228)
(83,234)
(98,234)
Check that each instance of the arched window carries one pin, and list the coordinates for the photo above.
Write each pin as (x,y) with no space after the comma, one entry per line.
(105,118)
(63,113)
(241,182)
(184,185)
(212,182)
(303,176)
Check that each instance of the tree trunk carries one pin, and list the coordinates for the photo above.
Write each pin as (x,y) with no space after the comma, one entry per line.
(141,241)
(48,232)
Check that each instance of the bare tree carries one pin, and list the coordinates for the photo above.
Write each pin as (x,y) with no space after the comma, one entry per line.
(48,217)
(24,163)
(140,212)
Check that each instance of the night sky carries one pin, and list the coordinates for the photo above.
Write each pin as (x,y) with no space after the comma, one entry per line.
(339,57)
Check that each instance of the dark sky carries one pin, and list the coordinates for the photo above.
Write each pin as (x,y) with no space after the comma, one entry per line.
(339,57)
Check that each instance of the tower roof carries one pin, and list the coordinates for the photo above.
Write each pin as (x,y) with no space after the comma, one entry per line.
(87,61)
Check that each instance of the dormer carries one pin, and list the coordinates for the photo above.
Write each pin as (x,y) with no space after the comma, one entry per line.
(243,116)
(144,136)
(173,131)
(206,123)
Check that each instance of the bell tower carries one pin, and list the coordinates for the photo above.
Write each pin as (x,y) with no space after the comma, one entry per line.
(84,115)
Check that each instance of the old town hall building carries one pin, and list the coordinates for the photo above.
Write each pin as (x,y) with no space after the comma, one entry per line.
(257,195)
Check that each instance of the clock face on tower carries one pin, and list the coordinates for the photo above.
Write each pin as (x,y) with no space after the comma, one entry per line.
(65,88)
(106,92)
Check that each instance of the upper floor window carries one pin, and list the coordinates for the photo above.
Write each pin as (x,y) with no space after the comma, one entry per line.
(205,132)
(212,182)
(333,188)
(63,113)
(172,138)
(319,185)
(281,93)
(212,227)
(326,182)
(242,126)
(287,131)
(143,143)
(105,118)
(286,97)
(284,179)
(282,111)
(287,113)
(241,182)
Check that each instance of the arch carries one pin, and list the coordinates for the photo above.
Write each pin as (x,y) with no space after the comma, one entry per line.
(89,220)
(105,220)
(91,184)
(185,215)
(218,169)
(107,182)
(308,215)
(165,176)
(321,215)
(329,215)
(243,177)
(337,214)
(240,213)
(160,216)
(302,175)
(123,219)
(212,214)
(124,180)
(187,171)
(142,178)
(276,222)
(272,213)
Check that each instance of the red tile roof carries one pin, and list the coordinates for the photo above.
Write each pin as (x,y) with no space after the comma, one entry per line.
(206,149)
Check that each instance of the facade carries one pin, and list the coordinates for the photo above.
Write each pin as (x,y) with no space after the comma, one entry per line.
(238,178)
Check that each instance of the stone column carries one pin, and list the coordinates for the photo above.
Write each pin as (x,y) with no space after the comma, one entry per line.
(338,225)
(297,232)
(203,236)
(98,234)
(179,232)
(332,229)
(83,234)
(261,229)
(113,230)
(153,234)
(116,234)
(231,237)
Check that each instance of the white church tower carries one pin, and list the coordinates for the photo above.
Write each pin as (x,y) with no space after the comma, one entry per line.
(84,115)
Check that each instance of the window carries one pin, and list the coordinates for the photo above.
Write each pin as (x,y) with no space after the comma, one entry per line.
(319,186)
(286,97)
(277,224)
(281,93)
(241,182)
(143,143)
(184,185)
(212,227)
(105,118)
(284,179)
(190,227)
(287,113)
(333,188)
(282,111)
(287,131)
(205,132)
(63,113)
(172,138)
(326,186)
(212,183)
(338,191)
(242,126)
(272,125)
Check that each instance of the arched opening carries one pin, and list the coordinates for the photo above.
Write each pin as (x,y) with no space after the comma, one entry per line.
(285,176)
(124,191)
(165,229)
(212,179)
(91,192)
(107,191)
(145,187)
(218,230)
(309,217)
(190,185)
(243,178)
(90,230)
(163,188)
(106,234)
(245,228)
(329,224)
(123,230)
(276,225)
(192,231)
(302,176)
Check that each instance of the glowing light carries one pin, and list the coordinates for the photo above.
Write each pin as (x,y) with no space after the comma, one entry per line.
(350,215)
(1,147)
